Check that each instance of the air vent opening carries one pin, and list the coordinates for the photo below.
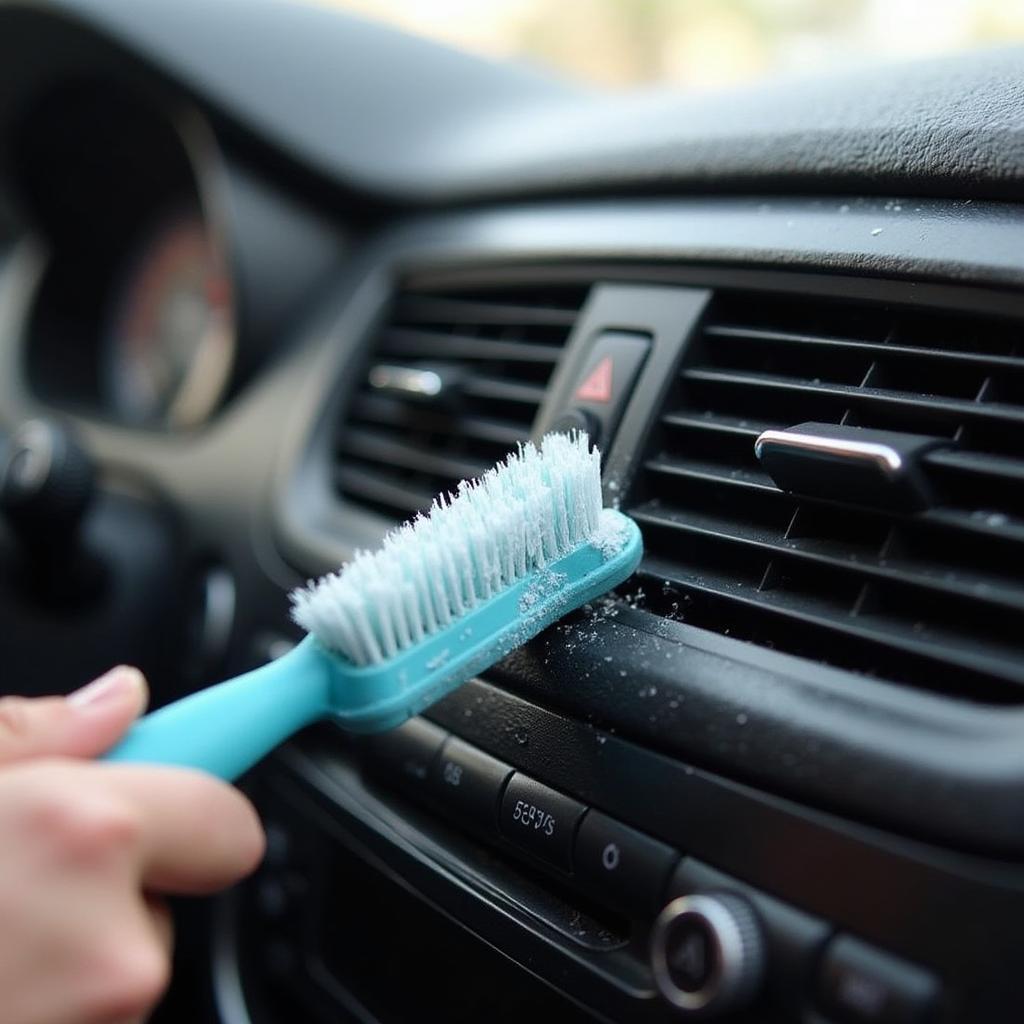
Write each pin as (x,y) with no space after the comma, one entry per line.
(495,349)
(932,599)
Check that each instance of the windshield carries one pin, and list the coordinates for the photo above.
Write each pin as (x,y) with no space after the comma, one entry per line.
(701,44)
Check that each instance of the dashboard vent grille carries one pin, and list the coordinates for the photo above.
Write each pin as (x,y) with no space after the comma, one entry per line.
(935,599)
(394,452)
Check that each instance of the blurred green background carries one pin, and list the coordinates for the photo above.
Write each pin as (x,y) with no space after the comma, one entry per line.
(701,44)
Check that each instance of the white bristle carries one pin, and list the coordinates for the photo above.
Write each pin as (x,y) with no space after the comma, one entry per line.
(530,510)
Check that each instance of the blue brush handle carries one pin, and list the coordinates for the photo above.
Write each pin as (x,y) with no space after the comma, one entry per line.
(227,728)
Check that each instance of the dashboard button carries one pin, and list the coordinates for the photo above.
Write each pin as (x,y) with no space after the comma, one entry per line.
(707,953)
(540,820)
(606,380)
(468,783)
(408,751)
(793,940)
(620,867)
(858,984)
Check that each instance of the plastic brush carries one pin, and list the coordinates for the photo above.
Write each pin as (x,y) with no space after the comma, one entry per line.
(444,597)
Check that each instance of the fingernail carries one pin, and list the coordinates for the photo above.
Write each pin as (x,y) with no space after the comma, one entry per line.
(112,687)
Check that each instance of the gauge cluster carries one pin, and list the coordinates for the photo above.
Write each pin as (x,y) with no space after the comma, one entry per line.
(169,342)
(168,274)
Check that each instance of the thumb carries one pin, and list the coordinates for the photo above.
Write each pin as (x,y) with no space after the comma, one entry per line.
(84,724)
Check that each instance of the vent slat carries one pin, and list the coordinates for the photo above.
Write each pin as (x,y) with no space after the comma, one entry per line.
(709,472)
(948,407)
(883,350)
(436,345)
(720,424)
(941,650)
(982,523)
(932,598)
(964,586)
(989,525)
(978,464)
(379,491)
(429,310)
(395,452)
(409,455)
(504,390)
(387,412)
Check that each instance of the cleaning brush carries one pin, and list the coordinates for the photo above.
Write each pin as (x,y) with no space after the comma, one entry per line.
(444,597)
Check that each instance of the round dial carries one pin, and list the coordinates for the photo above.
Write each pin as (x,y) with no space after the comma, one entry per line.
(171,336)
(707,953)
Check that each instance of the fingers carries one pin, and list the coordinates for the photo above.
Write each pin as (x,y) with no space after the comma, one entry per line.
(162,922)
(83,845)
(123,974)
(173,830)
(82,725)
(79,941)
(196,834)
(162,926)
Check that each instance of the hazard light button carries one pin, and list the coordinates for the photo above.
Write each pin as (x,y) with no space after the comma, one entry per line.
(603,388)
(597,387)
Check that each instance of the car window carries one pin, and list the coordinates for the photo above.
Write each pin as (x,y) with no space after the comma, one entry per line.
(701,44)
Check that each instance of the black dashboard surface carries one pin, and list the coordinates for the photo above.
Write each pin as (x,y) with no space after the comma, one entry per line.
(446,127)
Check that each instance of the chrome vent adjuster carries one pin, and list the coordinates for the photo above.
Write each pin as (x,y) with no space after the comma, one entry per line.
(453,384)
(877,468)
(912,575)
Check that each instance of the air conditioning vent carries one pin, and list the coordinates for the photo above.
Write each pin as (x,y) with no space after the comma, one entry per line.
(498,348)
(935,598)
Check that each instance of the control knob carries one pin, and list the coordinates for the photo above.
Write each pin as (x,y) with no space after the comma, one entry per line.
(707,953)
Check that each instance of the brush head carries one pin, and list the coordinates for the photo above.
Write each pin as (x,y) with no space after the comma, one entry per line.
(533,509)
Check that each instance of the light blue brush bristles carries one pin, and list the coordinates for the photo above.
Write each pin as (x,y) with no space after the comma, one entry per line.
(443,599)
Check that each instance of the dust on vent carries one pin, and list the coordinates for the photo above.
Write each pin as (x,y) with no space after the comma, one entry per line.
(934,599)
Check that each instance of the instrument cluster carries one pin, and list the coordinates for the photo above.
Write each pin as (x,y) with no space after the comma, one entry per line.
(168,344)
(160,272)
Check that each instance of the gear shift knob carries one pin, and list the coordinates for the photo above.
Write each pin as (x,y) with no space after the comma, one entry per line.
(46,481)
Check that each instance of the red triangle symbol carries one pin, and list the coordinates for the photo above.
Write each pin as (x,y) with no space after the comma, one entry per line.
(598,385)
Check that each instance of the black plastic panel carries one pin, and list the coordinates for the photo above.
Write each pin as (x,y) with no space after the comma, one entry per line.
(907,897)
(914,901)
(446,126)
(923,765)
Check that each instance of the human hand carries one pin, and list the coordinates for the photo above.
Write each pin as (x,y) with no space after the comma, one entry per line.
(87,846)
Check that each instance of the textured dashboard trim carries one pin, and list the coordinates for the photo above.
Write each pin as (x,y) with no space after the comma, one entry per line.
(448,127)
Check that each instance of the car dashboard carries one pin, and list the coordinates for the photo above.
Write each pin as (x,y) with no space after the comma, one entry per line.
(285,276)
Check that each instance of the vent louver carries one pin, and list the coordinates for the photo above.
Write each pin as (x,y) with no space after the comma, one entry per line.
(395,452)
(936,598)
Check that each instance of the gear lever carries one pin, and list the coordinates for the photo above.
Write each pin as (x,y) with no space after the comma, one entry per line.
(46,483)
